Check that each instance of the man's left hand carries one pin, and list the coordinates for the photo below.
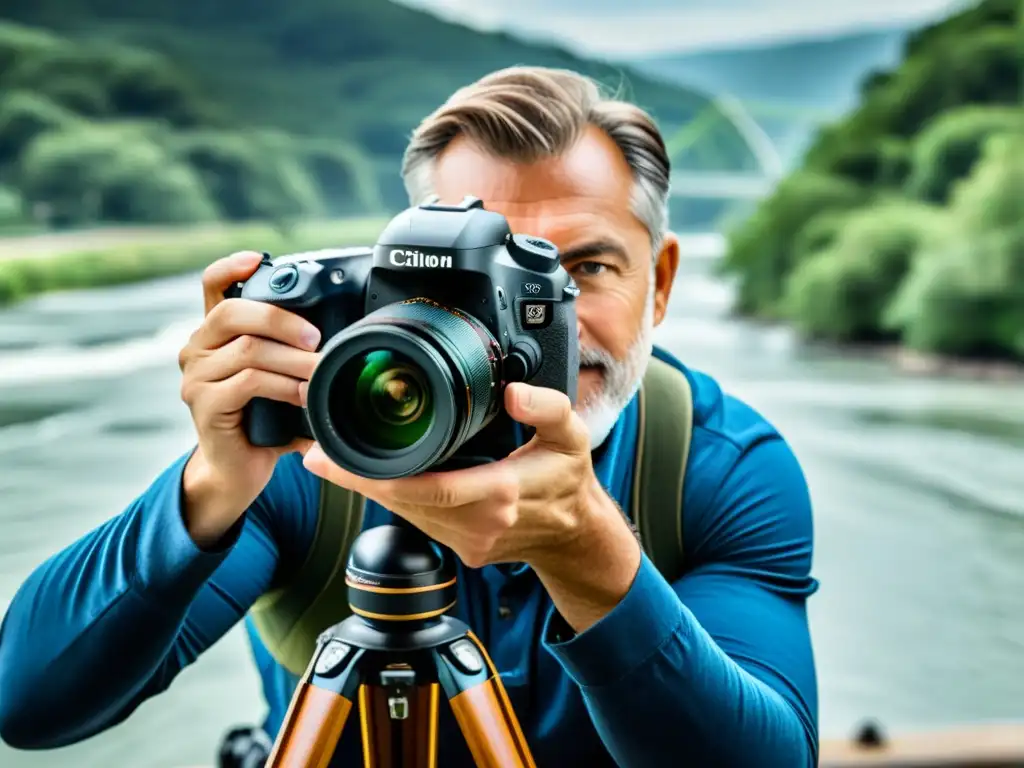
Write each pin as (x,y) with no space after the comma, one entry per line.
(542,505)
(523,508)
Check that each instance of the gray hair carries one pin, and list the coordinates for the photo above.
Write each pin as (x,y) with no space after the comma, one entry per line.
(524,114)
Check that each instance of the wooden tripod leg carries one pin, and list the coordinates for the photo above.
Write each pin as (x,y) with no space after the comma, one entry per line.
(318,710)
(480,705)
(399,725)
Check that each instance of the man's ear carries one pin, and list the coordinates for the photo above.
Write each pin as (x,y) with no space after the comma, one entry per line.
(665,274)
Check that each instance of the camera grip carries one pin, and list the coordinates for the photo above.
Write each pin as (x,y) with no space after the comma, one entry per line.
(272,424)
(559,344)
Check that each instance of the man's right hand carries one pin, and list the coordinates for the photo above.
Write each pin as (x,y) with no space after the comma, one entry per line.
(243,349)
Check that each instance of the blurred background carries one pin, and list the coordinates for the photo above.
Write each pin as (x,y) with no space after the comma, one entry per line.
(849,180)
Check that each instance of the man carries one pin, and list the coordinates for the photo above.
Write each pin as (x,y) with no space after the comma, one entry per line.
(605,661)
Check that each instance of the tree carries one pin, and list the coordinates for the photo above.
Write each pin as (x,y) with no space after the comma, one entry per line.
(23,117)
(841,292)
(966,296)
(983,68)
(12,209)
(110,172)
(947,149)
(760,251)
(250,175)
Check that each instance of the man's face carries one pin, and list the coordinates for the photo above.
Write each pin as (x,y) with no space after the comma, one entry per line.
(581,202)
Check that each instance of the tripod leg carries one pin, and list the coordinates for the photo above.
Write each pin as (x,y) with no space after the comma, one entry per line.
(399,722)
(480,704)
(319,709)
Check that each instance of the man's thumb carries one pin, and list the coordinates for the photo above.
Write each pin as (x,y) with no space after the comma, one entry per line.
(549,412)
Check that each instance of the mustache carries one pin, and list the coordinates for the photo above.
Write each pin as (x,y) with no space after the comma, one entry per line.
(596,356)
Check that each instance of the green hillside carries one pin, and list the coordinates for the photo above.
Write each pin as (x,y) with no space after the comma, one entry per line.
(162,111)
(905,222)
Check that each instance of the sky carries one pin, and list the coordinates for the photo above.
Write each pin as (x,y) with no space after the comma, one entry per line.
(625,28)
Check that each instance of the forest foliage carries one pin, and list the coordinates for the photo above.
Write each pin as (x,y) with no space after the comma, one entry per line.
(189,111)
(905,222)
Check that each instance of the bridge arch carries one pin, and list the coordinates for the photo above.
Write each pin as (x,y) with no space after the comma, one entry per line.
(727,184)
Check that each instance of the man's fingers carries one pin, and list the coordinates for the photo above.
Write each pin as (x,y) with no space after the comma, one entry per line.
(232,394)
(298,445)
(220,275)
(240,317)
(255,352)
(550,413)
(431,489)
(457,488)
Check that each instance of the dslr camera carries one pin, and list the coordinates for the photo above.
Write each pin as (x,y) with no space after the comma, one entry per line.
(421,334)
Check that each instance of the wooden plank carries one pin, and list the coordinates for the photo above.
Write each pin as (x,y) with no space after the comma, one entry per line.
(983,746)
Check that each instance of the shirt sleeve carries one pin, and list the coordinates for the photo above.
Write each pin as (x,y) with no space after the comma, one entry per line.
(110,620)
(716,668)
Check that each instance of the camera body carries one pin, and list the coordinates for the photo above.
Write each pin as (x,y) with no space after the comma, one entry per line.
(420,335)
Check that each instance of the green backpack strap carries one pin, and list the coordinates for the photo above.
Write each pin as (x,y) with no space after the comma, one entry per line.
(290,619)
(662,452)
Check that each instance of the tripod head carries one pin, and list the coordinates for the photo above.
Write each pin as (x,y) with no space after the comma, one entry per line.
(392,655)
(398,579)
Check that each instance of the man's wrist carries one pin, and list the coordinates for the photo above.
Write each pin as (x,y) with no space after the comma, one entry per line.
(594,568)
(208,507)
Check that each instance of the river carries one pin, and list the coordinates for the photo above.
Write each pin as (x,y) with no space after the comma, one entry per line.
(918,490)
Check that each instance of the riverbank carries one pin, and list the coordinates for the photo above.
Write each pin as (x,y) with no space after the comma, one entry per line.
(35,264)
(924,364)
(32,264)
(916,363)
(911,361)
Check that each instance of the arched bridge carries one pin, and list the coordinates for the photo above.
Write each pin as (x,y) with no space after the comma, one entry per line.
(738,185)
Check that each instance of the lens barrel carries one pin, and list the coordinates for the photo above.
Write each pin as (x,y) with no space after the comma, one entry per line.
(403,388)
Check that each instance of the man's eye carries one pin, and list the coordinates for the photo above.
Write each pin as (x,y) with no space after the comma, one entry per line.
(590,268)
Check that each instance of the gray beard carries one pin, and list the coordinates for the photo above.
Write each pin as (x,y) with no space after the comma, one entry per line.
(620,378)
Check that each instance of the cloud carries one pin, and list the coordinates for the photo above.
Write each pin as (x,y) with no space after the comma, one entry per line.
(618,29)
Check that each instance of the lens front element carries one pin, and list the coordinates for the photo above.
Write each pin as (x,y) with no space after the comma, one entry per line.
(392,406)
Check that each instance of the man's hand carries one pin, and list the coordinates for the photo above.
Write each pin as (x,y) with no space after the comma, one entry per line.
(542,505)
(243,349)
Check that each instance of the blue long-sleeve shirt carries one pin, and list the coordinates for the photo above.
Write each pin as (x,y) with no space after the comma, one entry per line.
(715,669)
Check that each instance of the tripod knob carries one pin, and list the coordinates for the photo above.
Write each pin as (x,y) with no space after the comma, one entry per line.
(397,574)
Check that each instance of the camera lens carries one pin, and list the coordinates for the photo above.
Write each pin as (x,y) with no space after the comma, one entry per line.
(391,407)
(400,390)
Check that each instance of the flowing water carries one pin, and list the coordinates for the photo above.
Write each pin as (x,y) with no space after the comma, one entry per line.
(918,487)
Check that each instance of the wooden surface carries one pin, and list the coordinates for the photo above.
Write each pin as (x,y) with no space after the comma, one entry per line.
(991,746)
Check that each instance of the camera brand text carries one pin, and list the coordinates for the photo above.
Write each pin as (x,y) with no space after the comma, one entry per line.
(404,258)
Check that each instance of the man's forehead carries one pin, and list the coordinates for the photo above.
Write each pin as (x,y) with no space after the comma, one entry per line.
(588,187)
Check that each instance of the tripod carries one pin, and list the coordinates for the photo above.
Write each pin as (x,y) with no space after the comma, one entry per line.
(393,654)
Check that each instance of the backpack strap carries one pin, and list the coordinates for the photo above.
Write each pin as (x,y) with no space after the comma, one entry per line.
(662,452)
(291,618)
